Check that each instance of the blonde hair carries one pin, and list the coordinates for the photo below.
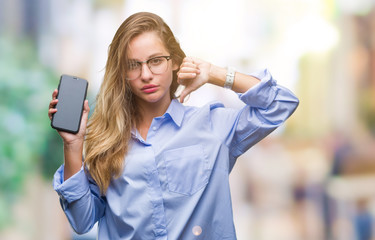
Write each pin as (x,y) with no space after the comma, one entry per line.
(115,113)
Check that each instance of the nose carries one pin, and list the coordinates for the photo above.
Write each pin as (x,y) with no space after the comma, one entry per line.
(146,74)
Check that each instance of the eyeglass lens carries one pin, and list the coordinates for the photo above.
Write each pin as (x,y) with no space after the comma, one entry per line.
(157,65)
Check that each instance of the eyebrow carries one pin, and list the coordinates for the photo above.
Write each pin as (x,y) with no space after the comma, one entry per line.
(158,54)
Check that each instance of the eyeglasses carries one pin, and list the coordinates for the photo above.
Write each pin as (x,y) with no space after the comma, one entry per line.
(157,65)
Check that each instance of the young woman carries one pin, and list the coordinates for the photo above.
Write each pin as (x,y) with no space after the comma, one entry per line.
(154,168)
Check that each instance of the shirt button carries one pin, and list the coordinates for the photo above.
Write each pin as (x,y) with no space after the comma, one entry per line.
(154,128)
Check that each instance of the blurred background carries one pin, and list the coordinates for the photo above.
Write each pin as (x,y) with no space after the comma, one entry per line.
(314,178)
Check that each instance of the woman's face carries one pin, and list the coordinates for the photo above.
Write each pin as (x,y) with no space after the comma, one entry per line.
(152,84)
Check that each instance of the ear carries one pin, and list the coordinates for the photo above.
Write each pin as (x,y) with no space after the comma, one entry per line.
(175,66)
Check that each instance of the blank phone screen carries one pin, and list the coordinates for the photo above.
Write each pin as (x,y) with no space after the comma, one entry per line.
(71,96)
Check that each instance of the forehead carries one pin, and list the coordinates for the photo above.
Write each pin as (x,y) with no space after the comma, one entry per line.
(145,45)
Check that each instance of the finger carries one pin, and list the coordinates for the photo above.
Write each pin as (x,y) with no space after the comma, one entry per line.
(51,108)
(53,103)
(54,94)
(51,111)
(185,93)
(189,70)
(86,107)
(188,59)
(182,97)
(182,77)
(189,65)
(185,81)
(86,110)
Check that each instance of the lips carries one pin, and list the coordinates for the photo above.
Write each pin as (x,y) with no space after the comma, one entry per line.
(149,88)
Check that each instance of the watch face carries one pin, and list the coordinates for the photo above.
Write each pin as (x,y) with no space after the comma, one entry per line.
(229,78)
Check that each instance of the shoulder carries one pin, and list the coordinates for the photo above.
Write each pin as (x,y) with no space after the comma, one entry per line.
(205,108)
(207,113)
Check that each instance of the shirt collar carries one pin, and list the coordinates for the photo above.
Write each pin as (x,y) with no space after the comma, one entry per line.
(175,111)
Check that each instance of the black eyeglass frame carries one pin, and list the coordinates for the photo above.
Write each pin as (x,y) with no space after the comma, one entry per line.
(147,62)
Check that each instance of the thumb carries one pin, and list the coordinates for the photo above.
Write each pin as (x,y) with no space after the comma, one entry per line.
(184,93)
(85,114)
(86,108)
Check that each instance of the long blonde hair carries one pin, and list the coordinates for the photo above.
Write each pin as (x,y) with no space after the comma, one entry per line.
(115,113)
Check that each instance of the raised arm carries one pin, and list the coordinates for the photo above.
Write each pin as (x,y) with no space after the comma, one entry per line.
(195,72)
(73,143)
(267,104)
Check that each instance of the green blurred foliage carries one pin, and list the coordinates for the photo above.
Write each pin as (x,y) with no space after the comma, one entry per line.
(28,145)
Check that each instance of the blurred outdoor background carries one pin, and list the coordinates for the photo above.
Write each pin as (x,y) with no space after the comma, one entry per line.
(312,179)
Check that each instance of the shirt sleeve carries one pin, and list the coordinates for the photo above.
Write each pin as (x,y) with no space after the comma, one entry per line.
(268,105)
(80,199)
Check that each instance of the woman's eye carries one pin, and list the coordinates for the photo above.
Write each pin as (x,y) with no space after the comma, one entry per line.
(132,65)
(155,61)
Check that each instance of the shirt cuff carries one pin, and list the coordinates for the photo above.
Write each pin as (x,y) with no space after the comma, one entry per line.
(73,188)
(263,93)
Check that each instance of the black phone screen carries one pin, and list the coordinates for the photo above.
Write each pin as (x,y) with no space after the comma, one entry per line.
(71,95)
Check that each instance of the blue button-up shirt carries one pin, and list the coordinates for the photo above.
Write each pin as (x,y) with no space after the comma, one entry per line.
(175,184)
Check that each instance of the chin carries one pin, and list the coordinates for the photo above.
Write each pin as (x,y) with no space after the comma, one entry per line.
(153,99)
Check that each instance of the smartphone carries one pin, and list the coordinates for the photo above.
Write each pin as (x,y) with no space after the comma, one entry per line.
(71,95)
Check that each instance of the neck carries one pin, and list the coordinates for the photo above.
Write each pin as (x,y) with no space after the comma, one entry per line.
(152,110)
(147,112)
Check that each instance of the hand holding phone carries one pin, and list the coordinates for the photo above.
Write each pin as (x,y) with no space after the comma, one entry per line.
(71,96)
